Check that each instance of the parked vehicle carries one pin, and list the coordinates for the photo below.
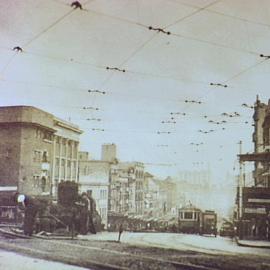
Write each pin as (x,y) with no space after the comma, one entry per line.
(227,229)
(208,222)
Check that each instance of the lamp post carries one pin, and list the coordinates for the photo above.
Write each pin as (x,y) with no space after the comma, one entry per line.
(240,186)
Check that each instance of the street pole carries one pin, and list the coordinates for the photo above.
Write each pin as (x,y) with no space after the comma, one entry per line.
(240,202)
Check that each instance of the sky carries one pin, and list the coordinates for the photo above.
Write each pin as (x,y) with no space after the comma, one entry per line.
(152,76)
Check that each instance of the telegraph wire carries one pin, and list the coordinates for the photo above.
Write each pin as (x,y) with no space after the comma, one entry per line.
(246,70)
(34,38)
(48,28)
(194,13)
(175,34)
(215,44)
(223,14)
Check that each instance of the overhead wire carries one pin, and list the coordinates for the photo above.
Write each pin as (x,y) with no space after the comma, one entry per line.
(222,14)
(175,34)
(36,37)
(134,53)
(200,9)
(245,70)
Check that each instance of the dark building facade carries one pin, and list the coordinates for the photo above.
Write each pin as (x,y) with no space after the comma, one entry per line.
(29,161)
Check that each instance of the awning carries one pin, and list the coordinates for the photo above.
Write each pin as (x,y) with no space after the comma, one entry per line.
(264,156)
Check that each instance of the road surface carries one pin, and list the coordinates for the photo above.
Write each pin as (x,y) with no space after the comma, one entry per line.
(12,260)
(205,244)
(143,251)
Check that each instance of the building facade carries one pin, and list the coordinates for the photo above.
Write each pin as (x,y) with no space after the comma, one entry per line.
(253,202)
(37,150)
(126,188)
(94,177)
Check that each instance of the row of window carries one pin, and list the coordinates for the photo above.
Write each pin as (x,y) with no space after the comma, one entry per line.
(40,182)
(45,135)
(66,147)
(189,215)
(67,168)
(139,174)
(139,185)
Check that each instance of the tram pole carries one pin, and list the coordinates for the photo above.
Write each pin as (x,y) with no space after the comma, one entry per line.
(240,201)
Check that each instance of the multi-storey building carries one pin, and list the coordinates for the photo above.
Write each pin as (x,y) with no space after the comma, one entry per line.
(94,176)
(126,188)
(154,199)
(119,190)
(253,202)
(37,150)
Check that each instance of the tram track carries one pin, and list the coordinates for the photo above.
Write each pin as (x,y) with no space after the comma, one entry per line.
(140,257)
(77,252)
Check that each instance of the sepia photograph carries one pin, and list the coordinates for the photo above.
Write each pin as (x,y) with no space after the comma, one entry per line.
(135,134)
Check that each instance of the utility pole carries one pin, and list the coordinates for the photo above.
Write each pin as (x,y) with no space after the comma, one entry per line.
(240,187)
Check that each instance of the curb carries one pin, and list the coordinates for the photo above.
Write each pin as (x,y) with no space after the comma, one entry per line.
(249,245)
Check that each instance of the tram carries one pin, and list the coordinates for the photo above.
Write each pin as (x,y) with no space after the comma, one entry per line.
(195,221)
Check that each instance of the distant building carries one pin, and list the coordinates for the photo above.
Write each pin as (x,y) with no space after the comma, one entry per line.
(94,176)
(152,200)
(169,188)
(37,150)
(108,152)
(126,195)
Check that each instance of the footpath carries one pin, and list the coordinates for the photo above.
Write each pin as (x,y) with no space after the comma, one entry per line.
(253,243)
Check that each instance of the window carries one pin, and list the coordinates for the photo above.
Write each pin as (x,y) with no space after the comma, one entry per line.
(38,133)
(47,136)
(43,184)
(103,194)
(188,215)
(37,156)
(69,149)
(63,163)
(45,156)
(57,162)
(57,150)
(75,150)
(64,147)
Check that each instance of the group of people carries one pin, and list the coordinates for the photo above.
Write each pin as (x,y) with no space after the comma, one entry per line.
(82,220)
(86,206)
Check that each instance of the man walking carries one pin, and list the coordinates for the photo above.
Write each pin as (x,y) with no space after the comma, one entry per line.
(30,212)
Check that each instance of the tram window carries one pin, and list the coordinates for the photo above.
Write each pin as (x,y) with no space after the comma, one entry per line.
(188,215)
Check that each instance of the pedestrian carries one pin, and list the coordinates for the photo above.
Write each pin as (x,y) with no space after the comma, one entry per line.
(120,232)
(30,212)
(84,205)
(92,212)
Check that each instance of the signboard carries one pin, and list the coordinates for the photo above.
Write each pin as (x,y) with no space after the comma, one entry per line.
(256,202)
(255,211)
(8,188)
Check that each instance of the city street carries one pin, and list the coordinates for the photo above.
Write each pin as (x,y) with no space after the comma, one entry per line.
(140,251)
(126,122)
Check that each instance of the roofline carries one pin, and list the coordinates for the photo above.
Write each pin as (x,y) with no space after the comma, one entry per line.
(27,106)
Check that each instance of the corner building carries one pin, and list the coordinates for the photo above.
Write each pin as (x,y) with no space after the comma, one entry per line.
(37,150)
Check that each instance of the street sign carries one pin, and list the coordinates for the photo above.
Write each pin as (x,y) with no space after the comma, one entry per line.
(255,211)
